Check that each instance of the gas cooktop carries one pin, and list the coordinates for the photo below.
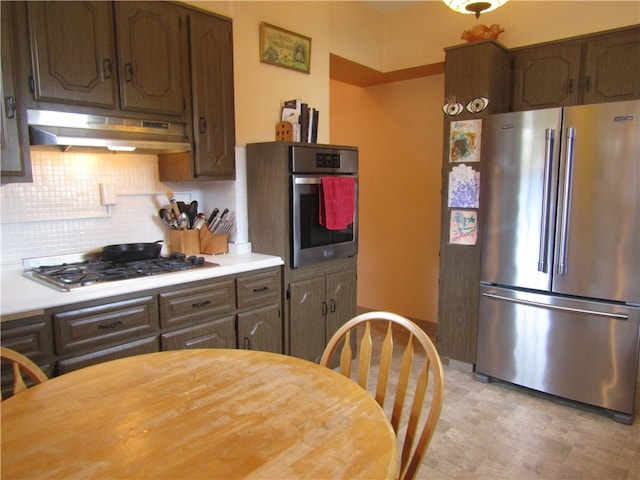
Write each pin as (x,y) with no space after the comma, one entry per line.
(77,271)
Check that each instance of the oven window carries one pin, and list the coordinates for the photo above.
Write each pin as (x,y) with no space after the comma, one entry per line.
(312,234)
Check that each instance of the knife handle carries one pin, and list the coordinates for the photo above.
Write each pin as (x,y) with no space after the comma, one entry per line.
(212,216)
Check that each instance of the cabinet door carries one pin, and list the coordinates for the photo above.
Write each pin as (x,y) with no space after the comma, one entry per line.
(150,57)
(73,52)
(341,300)
(220,333)
(612,67)
(212,87)
(31,337)
(307,321)
(547,76)
(12,161)
(261,329)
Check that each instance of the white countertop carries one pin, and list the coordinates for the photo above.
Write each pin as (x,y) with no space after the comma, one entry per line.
(22,297)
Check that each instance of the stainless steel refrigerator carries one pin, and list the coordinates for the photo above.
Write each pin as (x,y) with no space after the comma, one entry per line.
(560,268)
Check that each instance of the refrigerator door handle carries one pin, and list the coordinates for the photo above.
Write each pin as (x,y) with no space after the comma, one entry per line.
(621,316)
(566,199)
(543,258)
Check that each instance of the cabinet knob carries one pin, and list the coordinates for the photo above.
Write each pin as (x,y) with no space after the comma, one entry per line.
(107,68)
(128,72)
(202,122)
(9,107)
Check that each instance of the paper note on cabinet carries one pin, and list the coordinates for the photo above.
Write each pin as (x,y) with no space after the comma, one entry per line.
(464,187)
(464,227)
(464,141)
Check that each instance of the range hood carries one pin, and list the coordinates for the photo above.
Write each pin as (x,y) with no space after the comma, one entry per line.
(70,130)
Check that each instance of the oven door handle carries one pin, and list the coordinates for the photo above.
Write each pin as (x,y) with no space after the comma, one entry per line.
(307,181)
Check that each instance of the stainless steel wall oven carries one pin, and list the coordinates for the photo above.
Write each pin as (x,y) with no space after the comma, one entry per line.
(312,242)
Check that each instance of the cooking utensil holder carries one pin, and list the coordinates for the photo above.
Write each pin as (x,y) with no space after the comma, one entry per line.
(184,241)
(212,244)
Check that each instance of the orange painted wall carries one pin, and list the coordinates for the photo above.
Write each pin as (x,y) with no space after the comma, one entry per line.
(398,129)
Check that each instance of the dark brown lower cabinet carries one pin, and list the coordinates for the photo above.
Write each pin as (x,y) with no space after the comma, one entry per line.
(32,336)
(139,347)
(261,329)
(220,333)
(235,311)
(318,307)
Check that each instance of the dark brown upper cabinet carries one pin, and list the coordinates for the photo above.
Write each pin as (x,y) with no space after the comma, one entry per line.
(74,58)
(151,60)
(212,90)
(546,76)
(73,52)
(211,55)
(15,163)
(612,67)
(595,69)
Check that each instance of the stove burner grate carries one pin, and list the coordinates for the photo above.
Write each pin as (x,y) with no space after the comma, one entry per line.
(68,276)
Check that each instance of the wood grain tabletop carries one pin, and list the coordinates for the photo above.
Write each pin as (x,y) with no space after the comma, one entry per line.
(211,413)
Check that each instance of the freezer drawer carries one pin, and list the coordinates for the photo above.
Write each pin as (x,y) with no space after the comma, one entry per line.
(580,350)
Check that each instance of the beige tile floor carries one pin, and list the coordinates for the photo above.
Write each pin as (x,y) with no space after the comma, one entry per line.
(501,431)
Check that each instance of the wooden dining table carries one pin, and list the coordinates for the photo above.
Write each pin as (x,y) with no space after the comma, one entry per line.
(197,414)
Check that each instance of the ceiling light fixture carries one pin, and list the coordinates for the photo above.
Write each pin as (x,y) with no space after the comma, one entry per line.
(472,6)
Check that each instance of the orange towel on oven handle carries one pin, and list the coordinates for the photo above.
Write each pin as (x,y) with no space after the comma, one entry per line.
(337,202)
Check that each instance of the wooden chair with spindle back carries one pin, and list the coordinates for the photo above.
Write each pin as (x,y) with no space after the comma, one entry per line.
(419,364)
(20,364)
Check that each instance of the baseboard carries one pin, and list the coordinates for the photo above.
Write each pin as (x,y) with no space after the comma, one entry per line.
(430,328)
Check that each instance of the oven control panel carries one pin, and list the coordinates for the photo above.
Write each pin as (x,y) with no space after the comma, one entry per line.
(328,160)
(310,158)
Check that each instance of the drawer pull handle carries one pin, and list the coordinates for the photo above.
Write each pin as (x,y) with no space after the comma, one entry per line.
(200,304)
(260,290)
(110,326)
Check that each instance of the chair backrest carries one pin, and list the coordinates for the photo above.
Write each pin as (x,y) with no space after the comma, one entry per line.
(418,364)
(20,364)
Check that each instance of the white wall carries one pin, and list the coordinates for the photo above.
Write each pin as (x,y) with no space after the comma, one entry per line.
(60,212)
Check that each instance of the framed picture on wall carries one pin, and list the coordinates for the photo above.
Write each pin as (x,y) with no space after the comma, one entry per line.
(285,48)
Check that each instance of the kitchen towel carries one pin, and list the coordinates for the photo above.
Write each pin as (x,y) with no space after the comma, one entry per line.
(337,202)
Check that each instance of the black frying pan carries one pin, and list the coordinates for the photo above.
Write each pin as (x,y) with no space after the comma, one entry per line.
(131,252)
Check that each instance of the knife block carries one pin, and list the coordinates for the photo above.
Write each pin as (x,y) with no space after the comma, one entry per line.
(212,244)
(184,241)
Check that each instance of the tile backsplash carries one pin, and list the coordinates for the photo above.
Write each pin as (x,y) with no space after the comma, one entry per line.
(61,211)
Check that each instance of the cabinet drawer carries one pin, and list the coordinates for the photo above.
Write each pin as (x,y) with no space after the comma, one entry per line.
(217,334)
(195,303)
(139,347)
(259,289)
(93,327)
(31,337)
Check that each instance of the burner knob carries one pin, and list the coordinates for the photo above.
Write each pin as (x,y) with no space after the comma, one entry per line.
(196,260)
